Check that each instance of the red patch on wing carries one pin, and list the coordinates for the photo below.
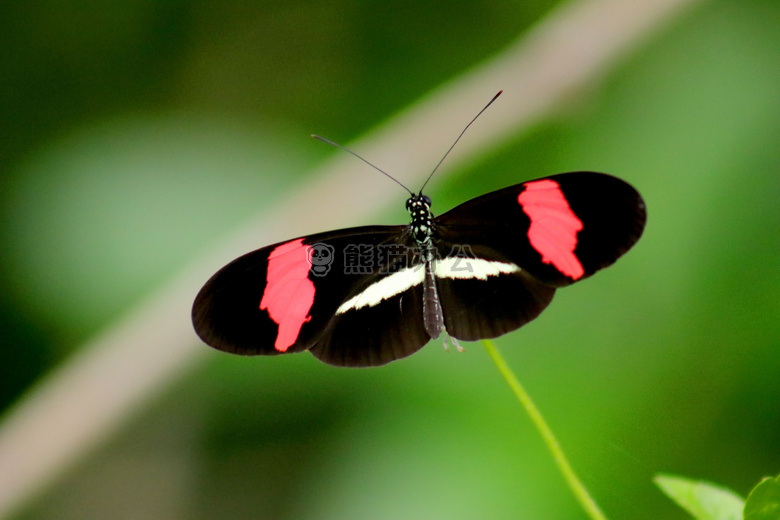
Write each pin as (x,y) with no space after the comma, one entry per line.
(289,294)
(554,226)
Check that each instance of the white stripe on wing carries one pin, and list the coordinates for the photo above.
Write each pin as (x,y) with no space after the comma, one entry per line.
(454,268)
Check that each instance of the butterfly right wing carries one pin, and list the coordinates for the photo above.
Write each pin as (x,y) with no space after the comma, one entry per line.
(518,244)
(561,229)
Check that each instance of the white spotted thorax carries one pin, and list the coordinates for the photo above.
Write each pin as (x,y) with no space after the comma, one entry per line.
(419,206)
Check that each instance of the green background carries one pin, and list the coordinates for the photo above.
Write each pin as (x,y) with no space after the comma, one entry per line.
(134,134)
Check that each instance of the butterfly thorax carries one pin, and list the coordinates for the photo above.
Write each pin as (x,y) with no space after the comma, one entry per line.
(419,207)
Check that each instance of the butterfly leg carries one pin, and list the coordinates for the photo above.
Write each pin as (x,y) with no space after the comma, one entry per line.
(454,342)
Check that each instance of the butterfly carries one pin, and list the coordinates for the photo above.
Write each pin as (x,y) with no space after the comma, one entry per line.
(366,296)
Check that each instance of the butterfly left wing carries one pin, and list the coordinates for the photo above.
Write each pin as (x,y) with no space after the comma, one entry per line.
(282,298)
(390,328)
(361,309)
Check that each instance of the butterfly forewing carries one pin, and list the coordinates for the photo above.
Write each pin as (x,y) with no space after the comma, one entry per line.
(560,229)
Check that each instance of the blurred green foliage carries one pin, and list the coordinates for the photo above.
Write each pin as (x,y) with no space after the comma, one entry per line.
(703,500)
(133,134)
(763,503)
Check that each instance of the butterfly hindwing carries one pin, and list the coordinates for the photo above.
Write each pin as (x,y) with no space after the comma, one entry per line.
(484,295)
(376,334)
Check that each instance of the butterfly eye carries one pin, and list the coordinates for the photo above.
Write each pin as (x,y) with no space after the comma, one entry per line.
(426,199)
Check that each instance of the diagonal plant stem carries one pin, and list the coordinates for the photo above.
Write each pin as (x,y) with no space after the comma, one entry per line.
(80,404)
(574,483)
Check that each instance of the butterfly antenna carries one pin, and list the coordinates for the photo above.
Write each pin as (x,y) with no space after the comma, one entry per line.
(380,170)
(458,139)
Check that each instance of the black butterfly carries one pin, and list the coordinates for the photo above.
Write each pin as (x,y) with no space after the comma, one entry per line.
(369,295)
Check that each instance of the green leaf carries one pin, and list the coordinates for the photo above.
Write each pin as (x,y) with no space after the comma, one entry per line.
(763,502)
(703,500)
